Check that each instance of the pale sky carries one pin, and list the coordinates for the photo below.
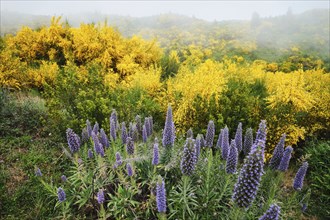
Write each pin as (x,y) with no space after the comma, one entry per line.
(207,10)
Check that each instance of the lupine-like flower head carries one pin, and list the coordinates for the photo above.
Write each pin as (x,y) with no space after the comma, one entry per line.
(151,122)
(238,137)
(73,140)
(129,169)
(135,133)
(63,178)
(219,142)
(100,196)
(277,154)
(225,143)
(90,154)
(284,164)
(190,133)
(96,128)
(210,134)
(299,179)
(130,146)
(113,129)
(61,195)
(119,161)
(123,133)
(248,182)
(38,172)
(144,134)
(138,123)
(104,138)
(161,195)
(97,145)
(202,140)
(155,157)
(248,141)
(89,128)
(189,158)
(147,125)
(84,135)
(273,213)
(232,158)
(262,133)
(198,145)
(114,117)
(169,129)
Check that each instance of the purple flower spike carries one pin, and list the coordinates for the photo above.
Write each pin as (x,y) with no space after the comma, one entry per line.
(97,145)
(73,140)
(277,154)
(138,123)
(104,138)
(190,133)
(147,126)
(100,196)
(129,169)
(155,158)
(299,179)
(96,128)
(284,164)
(169,129)
(63,178)
(273,213)
(61,195)
(262,133)
(151,122)
(248,141)
(113,130)
(161,195)
(238,137)
(130,146)
(38,172)
(135,133)
(114,117)
(202,141)
(84,135)
(144,134)
(210,134)
(232,158)
(219,142)
(123,133)
(198,145)
(90,154)
(246,187)
(118,159)
(189,158)
(89,128)
(225,143)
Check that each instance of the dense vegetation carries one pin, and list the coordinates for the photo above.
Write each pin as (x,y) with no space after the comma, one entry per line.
(57,76)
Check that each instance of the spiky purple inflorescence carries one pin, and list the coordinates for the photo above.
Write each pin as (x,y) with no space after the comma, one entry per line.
(189,158)
(169,129)
(144,134)
(161,196)
(219,142)
(123,133)
(202,141)
(277,154)
(151,122)
(232,158)
(147,125)
(135,133)
(113,117)
(129,146)
(97,145)
(225,143)
(190,133)
(84,135)
(100,196)
(89,128)
(129,169)
(210,134)
(248,141)
(155,156)
(299,179)
(119,161)
(73,140)
(90,154)
(96,128)
(261,133)
(61,195)
(113,130)
(238,137)
(138,123)
(38,172)
(104,138)
(198,146)
(285,160)
(273,213)
(63,178)
(248,182)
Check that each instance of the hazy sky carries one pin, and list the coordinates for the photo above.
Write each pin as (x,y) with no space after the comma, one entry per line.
(208,10)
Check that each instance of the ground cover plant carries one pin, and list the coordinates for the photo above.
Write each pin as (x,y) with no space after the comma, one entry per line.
(137,172)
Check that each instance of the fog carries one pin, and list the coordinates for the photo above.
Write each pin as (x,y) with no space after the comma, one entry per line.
(207,10)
